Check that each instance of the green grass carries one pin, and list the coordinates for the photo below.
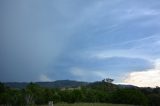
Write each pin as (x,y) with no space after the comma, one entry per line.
(90,104)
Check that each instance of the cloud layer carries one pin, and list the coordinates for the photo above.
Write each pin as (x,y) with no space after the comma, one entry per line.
(146,78)
(82,40)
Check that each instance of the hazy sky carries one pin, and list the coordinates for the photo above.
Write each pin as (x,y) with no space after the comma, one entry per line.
(86,40)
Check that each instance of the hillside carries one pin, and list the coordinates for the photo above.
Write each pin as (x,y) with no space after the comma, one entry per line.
(60,84)
(54,84)
(99,91)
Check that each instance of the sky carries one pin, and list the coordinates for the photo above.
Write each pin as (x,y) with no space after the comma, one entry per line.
(84,40)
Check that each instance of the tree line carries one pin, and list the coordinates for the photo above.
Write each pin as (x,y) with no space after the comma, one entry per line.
(102,92)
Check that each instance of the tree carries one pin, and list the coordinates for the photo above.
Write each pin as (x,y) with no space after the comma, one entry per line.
(34,94)
(154,100)
(109,80)
(77,94)
(129,96)
(2,88)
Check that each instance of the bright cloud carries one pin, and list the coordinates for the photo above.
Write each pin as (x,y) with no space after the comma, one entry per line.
(134,13)
(145,78)
(44,78)
(125,53)
(88,75)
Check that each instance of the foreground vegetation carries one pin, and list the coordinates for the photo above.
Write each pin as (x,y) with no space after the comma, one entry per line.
(97,92)
(90,104)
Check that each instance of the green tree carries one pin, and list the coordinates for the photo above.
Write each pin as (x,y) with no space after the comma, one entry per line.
(34,94)
(154,100)
(129,96)
(77,95)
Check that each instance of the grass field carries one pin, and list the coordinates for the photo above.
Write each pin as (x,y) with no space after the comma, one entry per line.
(90,104)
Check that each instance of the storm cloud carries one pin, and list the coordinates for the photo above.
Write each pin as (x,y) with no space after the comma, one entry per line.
(80,40)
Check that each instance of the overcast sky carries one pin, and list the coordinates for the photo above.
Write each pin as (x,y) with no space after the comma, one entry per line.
(86,40)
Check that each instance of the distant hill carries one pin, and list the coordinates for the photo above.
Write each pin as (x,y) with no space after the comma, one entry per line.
(62,84)
(54,84)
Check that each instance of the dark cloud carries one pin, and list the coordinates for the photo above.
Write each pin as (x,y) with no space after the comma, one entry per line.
(48,40)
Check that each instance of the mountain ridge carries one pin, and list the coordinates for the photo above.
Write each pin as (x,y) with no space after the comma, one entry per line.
(48,84)
(59,84)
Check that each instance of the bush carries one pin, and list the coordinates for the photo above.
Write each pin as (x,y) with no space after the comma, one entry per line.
(154,100)
(129,96)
